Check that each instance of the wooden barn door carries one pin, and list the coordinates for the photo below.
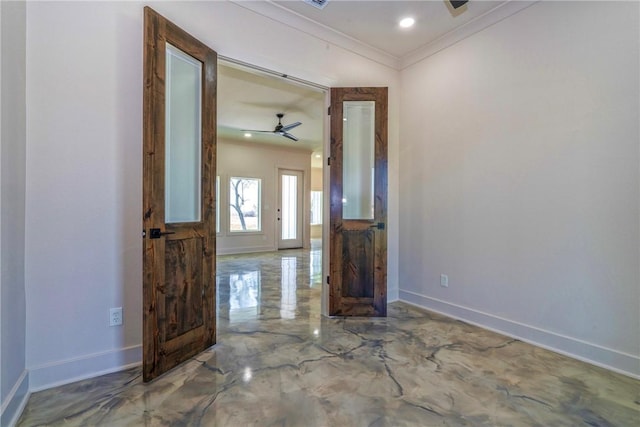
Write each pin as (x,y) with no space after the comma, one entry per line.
(358,212)
(178,196)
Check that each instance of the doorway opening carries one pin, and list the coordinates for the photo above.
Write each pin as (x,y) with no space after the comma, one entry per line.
(259,181)
(271,143)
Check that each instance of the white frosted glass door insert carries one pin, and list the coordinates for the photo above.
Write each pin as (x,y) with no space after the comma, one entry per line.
(358,154)
(182,137)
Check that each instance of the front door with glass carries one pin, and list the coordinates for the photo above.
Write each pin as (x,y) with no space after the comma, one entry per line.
(290,209)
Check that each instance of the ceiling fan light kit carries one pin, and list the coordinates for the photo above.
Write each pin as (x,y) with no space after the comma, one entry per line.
(280,129)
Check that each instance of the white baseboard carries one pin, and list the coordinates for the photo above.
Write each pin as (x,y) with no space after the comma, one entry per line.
(614,360)
(245,250)
(392,295)
(79,368)
(15,401)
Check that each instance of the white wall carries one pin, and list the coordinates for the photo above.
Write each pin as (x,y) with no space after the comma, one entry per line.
(519,178)
(84,163)
(13,375)
(258,161)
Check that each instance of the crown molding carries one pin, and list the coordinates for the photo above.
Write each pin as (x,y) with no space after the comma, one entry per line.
(292,19)
(489,18)
(301,23)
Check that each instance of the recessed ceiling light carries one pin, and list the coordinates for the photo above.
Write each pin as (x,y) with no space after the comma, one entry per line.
(318,156)
(247,135)
(407,22)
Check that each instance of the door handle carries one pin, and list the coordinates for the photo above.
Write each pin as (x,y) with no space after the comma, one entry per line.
(379,226)
(155,233)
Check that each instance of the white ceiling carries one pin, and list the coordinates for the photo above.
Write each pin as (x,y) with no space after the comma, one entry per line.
(375,22)
(249,99)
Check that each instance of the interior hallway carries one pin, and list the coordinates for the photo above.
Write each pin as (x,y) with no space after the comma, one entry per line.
(277,362)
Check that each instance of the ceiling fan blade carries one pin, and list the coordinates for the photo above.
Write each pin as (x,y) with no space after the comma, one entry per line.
(288,135)
(291,126)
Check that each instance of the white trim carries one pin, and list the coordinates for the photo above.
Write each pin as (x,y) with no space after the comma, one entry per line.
(301,23)
(611,359)
(242,64)
(487,19)
(80,368)
(8,399)
(16,400)
(392,296)
(246,250)
(326,203)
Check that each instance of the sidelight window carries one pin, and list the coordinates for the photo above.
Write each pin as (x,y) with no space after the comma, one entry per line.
(316,207)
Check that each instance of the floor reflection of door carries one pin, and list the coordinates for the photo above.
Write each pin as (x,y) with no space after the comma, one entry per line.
(244,295)
(288,287)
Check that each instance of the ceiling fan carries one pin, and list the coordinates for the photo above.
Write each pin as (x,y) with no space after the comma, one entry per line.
(280,129)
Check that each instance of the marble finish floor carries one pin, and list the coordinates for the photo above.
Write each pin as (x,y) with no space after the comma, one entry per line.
(278,363)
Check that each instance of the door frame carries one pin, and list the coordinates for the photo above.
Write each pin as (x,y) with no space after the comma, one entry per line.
(326,147)
(326,206)
(326,172)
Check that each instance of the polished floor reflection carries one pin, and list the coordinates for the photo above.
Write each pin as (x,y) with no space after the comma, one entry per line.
(278,363)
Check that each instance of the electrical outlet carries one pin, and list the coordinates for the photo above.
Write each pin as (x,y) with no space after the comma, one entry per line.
(444,280)
(115,316)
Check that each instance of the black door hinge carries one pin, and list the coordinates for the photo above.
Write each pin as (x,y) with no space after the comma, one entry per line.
(327,280)
(329,111)
(328,161)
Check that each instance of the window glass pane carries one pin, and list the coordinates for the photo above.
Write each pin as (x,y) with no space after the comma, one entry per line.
(244,201)
(358,159)
(289,205)
(182,137)
(316,207)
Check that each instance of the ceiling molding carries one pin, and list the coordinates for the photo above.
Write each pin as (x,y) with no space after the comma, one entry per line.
(293,19)
(474,26)
(301,23)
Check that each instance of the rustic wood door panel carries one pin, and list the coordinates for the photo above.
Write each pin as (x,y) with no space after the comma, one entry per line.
(358,211)
(357,268)
(184,286)
(179,232)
